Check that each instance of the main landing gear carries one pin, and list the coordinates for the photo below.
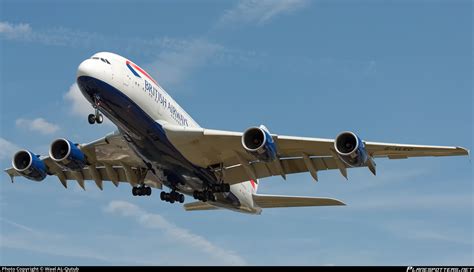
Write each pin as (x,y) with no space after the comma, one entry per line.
(141,191)
(97,117)
(172,197)
(204,196)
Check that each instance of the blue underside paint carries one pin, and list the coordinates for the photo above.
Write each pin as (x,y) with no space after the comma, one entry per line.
(148,137)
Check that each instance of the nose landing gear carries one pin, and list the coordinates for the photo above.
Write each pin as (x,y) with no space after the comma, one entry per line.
(97,117)
(92,118)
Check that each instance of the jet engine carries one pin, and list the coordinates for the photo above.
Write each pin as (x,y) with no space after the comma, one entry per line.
(351,149)
(258,142)
(29,165)
(67,155)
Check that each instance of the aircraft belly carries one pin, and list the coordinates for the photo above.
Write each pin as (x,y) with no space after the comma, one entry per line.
(146,137)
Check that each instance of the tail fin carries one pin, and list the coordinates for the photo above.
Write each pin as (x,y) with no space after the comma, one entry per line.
(254,184)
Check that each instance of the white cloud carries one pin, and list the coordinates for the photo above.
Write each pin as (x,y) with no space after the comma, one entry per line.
(7,149)
(421,230)
(13,31)
(172,60)
(259,11)
(79,105)
(156,221)
(176,245)
(20,226)
(58,36)
(401,201)
(61,36)
(39,125)
(180,58)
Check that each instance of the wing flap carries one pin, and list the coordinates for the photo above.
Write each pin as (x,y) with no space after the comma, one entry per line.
(237,173)
(276,201)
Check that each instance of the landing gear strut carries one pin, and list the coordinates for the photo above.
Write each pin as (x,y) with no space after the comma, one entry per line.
(141,191)
(97,117)
(172,197)
(221,188)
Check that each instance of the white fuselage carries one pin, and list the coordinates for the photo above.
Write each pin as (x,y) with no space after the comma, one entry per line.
(141,88)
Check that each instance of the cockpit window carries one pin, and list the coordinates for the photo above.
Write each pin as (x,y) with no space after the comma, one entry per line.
(102,59)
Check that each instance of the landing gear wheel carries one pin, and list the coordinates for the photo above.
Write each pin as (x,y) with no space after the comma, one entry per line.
(163,196)
(174,195)
(210,195)
(91,118)
(144,191)
(181,198)
(99,118)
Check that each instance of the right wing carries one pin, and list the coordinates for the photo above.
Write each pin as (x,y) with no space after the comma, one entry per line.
(111,159)
(276,201)
(223,152)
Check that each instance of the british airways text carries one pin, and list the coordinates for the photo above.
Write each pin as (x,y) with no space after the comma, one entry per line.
(160,99)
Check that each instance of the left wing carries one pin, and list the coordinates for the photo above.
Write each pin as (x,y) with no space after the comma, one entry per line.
(223,152)
(110,159)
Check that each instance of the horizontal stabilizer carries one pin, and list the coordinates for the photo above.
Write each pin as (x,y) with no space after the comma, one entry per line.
(275,201)
(198,206)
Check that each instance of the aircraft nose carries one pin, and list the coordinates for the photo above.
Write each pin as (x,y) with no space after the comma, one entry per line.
(85,68)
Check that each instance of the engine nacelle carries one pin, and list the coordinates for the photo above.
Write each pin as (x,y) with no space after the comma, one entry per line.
(67,155)
(258,142)
(29,165)
(351,149)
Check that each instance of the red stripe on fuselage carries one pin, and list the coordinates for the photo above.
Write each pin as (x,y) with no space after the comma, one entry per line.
(141,71)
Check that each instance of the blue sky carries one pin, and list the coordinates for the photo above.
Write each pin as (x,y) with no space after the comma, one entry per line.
(392,71)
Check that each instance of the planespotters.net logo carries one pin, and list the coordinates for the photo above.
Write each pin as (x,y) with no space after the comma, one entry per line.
(439,269)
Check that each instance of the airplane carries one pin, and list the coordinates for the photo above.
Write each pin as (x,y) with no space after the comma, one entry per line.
(157,144)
